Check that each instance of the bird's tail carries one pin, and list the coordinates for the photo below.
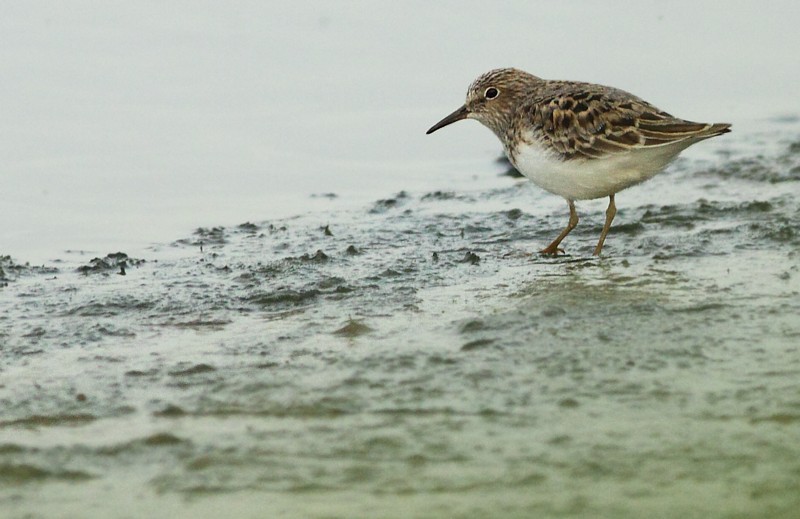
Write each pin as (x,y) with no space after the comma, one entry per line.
(715,129)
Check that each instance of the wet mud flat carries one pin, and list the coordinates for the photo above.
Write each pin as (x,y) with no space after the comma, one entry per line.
(412,359)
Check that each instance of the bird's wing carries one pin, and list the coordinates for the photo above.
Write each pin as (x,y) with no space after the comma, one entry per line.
(595,124)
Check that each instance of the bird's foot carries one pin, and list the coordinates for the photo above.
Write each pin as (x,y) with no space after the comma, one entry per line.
(551,250)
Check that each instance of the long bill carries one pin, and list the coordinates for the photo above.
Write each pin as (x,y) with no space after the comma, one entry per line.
(461,113)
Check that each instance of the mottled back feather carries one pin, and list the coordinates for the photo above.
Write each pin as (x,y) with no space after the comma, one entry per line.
(582,120)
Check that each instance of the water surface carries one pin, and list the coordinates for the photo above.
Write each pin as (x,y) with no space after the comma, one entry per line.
(410,359)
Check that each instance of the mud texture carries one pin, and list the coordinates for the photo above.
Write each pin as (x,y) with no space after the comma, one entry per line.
(414,359)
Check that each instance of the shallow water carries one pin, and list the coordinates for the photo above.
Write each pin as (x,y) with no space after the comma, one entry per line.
(410,359)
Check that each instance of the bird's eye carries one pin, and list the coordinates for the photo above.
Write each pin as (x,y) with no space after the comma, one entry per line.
(491,93)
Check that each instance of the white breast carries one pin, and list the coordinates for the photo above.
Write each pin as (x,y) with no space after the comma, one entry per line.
(583,179)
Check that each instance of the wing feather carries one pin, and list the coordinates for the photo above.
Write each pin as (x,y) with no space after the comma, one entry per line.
(597,122)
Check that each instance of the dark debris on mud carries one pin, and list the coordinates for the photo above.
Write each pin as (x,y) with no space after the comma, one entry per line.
(11,270)
(117,262)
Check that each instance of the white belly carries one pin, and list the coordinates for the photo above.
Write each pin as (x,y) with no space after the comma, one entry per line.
(583,179)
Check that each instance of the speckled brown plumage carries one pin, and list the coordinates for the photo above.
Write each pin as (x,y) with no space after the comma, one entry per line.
(575,139)
(582,120)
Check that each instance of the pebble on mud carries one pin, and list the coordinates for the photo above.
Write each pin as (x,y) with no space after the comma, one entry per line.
(471,258)
(477,344)
(353,328)
(170,411)
(319,256)
(194,370)
(513,214)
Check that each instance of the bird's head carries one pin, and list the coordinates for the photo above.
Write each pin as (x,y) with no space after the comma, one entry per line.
(492,99)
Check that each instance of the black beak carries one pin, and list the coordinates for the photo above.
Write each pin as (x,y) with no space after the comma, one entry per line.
(459,114)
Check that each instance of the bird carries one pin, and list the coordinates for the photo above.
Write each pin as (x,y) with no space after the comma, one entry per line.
(578,140)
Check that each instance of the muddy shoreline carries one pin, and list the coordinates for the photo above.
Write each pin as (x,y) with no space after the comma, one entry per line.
(413,356)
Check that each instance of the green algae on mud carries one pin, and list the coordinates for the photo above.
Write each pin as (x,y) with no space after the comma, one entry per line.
(414,360)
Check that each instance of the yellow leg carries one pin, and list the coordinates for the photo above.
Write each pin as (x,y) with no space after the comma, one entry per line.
(610,213)
(573,222)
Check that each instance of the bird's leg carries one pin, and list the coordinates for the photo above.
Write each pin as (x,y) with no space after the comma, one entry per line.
(573,222)
(610,212)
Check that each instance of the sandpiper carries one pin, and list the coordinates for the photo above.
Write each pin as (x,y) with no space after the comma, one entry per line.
(577,140)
